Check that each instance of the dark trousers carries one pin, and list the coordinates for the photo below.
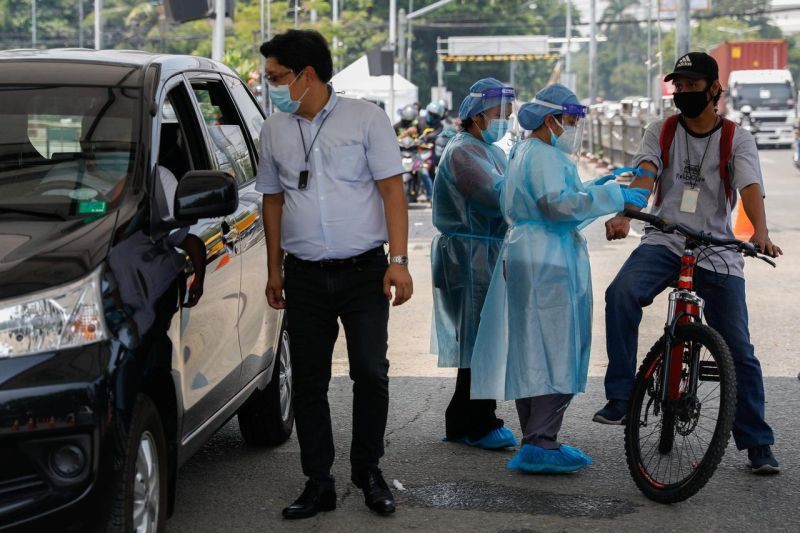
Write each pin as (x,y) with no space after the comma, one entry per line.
(469,418)
(318,294)
(540,418)
(647,272)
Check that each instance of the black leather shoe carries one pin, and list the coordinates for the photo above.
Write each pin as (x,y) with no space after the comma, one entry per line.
(316,497)
(376,493)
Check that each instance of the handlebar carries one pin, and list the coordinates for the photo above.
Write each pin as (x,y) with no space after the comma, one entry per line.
(745,248)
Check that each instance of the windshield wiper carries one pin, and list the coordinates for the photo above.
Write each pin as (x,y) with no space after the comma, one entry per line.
(50,215)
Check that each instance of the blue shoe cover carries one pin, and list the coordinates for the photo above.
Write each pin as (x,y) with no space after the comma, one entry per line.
(535,460)
(494,440)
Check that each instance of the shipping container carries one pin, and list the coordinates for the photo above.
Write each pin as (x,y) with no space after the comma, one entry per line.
(750,55)
(766,96)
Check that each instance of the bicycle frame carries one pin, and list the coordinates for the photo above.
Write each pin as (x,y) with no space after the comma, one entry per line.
(685,306)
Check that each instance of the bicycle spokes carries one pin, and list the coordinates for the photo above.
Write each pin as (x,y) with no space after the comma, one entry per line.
(674,439)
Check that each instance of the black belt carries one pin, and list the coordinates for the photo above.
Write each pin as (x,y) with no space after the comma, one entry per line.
(338,264)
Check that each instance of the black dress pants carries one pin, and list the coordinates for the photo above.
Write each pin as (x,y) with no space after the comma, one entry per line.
(469,418)
(317,294)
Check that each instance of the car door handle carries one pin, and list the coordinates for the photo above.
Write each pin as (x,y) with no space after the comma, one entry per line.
(229,235)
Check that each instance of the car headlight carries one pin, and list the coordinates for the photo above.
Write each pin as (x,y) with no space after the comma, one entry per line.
(63,317)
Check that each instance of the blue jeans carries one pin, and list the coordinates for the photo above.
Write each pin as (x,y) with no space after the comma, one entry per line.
(425,176)
(647,272)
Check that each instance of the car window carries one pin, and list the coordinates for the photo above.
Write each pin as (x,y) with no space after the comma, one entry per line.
(227,134)
(181,145)
(67,150)
(251,114)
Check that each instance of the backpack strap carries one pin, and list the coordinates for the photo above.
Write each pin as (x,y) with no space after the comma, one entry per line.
(665,143)
(725,158)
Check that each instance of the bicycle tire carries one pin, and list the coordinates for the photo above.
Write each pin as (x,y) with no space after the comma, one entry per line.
(700,473)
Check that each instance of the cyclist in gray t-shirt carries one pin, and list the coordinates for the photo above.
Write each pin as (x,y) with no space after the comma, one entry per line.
(691,191)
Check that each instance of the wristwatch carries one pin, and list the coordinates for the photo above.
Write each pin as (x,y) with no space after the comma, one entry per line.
(401,260)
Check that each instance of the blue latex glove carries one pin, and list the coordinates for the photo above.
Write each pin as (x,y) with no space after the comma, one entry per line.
(605,179)
(635,197)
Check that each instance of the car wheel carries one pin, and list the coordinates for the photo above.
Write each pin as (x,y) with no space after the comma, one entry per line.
(140,503)
(266,419)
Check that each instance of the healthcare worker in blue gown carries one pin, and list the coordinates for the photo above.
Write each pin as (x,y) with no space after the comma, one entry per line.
(535,330)
(466,211)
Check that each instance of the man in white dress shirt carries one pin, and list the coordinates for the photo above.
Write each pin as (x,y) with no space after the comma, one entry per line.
(331,176)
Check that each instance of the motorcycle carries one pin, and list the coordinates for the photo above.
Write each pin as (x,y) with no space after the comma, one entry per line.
(415,157)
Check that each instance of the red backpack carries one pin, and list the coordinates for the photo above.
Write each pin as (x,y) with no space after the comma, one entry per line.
(725,153)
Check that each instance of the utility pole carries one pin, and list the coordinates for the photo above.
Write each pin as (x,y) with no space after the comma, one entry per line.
(80,23)
(649,49)
(33,23)
(401,42)
(335,23)
(682,30)
(98,24)
(409,38)
(568,60)
(592,61)
(262,75)
(660,58)
(296,14)
(392,45)
(218,38)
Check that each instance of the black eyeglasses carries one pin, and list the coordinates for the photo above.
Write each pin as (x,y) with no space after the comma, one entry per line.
(274,79)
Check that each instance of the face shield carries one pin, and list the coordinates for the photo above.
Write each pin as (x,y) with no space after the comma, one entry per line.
(496,107)
(572,122)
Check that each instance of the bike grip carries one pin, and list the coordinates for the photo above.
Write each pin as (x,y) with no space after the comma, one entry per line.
(644,217)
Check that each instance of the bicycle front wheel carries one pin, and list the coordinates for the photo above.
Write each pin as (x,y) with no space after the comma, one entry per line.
(673,449)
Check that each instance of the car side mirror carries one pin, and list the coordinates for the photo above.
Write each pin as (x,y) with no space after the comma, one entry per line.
(205,194)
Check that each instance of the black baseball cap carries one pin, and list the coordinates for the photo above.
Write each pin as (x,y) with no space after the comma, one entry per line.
(695,65)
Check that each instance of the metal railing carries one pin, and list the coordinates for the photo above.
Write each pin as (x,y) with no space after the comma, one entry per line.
(614,140)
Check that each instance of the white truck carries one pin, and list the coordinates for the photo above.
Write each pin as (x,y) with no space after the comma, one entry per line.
(765,101)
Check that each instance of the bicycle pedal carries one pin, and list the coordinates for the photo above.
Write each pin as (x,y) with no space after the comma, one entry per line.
(709,371)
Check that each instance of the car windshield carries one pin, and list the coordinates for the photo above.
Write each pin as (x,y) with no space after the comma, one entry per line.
(66,150)
(765,95)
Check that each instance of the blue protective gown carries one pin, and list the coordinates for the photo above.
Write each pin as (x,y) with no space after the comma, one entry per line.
(536,325)
(466,211)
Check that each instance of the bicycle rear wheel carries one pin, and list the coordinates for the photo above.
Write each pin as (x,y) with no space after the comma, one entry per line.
(673,452)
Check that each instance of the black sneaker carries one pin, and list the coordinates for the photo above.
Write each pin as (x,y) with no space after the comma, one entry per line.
(762,461)
(614,413)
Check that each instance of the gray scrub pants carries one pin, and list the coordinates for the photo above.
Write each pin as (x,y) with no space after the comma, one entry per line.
(540,418)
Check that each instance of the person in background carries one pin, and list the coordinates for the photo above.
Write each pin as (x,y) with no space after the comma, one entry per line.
(466,211)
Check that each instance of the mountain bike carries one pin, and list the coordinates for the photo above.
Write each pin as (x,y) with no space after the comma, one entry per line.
(684,399)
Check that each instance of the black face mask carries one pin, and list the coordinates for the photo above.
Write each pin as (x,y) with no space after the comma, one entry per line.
(693,104)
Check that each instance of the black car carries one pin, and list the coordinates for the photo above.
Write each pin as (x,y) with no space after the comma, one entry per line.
(133,321)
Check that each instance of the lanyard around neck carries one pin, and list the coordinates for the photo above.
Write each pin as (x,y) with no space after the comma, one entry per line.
(307,151)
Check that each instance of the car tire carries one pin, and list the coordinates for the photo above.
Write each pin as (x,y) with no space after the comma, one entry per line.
(267,418)
(140,500)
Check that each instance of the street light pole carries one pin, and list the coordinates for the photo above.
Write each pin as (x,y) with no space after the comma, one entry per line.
(682,31)
(218,39)
(98,24)
(392,46)
(568,59)
(649,49)
(80,23)
(33,23)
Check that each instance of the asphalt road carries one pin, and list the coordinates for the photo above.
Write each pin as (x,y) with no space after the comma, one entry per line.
(228,486)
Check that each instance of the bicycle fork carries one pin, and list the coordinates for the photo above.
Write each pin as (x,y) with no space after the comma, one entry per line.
(684,307)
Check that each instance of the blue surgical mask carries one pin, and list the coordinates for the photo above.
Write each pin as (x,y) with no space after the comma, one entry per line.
(566,141)
(282,98)
(495,131)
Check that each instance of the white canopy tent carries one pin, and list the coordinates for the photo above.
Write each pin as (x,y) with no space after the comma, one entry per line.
(355,82)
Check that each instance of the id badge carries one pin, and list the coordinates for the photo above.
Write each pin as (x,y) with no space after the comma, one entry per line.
(689,200)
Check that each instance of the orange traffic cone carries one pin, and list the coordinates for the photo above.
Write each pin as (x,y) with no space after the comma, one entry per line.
(743,228)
